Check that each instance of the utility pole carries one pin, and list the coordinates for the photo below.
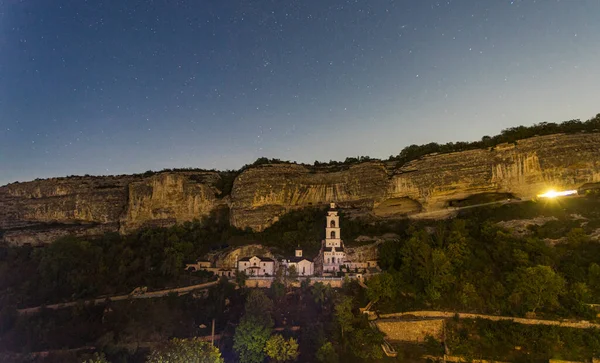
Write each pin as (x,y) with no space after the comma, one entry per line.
(212,338)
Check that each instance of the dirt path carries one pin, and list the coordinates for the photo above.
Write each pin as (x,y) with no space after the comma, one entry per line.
(147,295)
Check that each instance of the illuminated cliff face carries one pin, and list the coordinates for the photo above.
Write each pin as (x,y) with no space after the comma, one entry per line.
(40,211)
(169,198)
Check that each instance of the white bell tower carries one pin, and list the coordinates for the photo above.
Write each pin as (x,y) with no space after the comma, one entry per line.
(332,229)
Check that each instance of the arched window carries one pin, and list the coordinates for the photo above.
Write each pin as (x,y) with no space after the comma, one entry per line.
(332,224)
(333,260)
(332,234)
(328,260)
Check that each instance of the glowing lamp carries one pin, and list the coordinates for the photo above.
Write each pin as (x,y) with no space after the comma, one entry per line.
(554,194)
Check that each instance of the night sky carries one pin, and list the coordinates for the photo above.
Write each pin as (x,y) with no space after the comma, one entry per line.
(114,87)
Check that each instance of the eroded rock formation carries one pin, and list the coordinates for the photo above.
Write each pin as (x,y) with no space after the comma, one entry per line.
(39,211)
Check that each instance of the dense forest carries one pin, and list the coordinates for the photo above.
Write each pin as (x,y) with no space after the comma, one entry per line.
(473,263)
(77,268)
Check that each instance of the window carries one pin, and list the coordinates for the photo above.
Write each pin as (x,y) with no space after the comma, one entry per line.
(303,270)
(254,263)
(333,260)
(332,234)
(332,224)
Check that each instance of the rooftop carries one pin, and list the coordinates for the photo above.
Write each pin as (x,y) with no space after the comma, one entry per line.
(298,259)
(261,258)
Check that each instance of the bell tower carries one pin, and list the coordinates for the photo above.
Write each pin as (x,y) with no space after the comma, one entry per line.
(332,228)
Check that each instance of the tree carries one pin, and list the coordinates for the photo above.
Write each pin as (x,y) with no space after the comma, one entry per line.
(343,314)
(281,350)
(327,354)
(319,293)
(594,279)
(278,289)
(97,358)
(365,342)
(172,262)
(250,339)
(240,278)
(576,237)
(539,286)
(254,329)
(291,275)
(305,284)
(381,287)
(186,351)
(468,296)
(259,306)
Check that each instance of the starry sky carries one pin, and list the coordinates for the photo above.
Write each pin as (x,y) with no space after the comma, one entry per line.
(113,87)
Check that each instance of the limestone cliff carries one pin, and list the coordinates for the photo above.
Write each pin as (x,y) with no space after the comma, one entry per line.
(524,170)
(40,211)
(260,195)
(169,198)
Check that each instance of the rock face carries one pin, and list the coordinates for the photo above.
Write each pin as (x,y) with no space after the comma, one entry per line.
(39,211)
(524,170)
(260,195)
(429,184)
(168,198)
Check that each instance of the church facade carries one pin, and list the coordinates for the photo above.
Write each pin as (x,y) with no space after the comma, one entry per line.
(303,266)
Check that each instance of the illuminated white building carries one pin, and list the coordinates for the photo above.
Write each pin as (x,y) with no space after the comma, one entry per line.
(303,266)
(333,246)
(257,266)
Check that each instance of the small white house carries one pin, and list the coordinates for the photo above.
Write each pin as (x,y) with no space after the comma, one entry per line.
(303,266)
(257,266)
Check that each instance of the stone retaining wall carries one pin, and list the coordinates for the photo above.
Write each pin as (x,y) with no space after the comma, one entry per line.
(446,314)
(266,282)
(411,331)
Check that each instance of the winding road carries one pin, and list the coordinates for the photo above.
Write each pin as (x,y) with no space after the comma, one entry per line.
(146,295)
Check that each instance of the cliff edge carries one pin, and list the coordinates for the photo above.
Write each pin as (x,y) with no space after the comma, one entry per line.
(40,211)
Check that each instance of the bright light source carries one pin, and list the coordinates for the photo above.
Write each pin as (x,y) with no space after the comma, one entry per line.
(554,194)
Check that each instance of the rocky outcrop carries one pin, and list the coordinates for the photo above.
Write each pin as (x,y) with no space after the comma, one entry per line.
(168,198)
(429,184)
(40,210)
(524,170)
(369,248)
(260,195)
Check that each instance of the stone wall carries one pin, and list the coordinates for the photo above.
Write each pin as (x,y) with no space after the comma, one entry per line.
(447,314)
(266,282)
(410,331)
